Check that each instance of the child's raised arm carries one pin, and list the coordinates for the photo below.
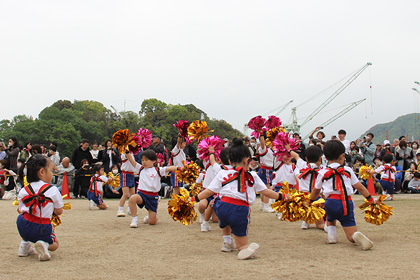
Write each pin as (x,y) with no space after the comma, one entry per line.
(130,158)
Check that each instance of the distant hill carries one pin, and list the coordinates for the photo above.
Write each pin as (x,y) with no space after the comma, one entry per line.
(403,125)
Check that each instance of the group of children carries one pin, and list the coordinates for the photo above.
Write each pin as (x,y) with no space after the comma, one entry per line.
(229,186)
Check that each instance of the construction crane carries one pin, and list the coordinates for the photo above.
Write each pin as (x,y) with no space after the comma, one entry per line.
(343,112)
(295,127)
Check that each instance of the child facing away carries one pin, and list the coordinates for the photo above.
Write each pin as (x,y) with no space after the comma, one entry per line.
(337,182)
(387,172)
(37,203)
(96,192)
(414,185)
(148,188)
(237,189)
(306,173)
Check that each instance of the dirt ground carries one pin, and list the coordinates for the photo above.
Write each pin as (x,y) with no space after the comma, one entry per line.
(98,245)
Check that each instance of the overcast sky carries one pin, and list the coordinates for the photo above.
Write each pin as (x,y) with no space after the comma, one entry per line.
(232,59)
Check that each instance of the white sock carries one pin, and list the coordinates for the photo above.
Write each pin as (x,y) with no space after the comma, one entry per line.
(128,209)
(205,222)
(135,218)
(332,230)
(227,239)
(120,208)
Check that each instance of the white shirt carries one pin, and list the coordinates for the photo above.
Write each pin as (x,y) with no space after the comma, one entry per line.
(209,174)
(99,183)
(304,184)
(201,177)
(346,144)
(231,189)
(126,164)
(414,183)
(268,158)
(149,178)
(327,185)
(94,154)
(48,209)
(285,173)
(180,156)
(385,174)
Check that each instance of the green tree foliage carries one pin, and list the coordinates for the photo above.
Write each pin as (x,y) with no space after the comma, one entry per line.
(69,123)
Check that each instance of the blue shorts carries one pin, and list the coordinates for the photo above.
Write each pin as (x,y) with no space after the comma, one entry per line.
(31,232)
(387,186)
(237,217)
(127,180)
(279,187)
(335,211)
(174,181)
(150,202)
(97,199)
(266,175)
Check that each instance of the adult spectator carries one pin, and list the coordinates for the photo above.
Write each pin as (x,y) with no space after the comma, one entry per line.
(26,152)
(67,168)
(404,155)
(367,148)
(395,146)
(36,149)
(82,152)
(2,151)
(12,153)
(302,147)
(157,145)
(109,156)
(342,136)
(95,152)
(253,145)
(319,135)
(52,152)
(56,146)
(415,147)
(247,143)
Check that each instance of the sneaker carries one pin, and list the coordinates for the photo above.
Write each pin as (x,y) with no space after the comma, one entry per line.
(226,247)
(205,226)
(278,215)
(332,239)
(91,204)
(362,239)
(248,253)
(25,249)
(146,220)
(267,209)
(120,213)
(388,198)
(201,218)
(134,223)
(41,248)
(304,225)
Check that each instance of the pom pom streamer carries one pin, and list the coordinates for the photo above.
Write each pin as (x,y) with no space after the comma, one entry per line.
(181,209)
(376,214)
(281,140)
(203,147)
(135,145)
(182,127)
(189,173)
(196,189)
(272,122)
(198,130)
(145,138)
(272,133)
(115,183)
(122,139)
(365,172)
(160,159)
(257,124)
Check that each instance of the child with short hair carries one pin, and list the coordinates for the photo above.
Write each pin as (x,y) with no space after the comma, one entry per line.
(237,189)
(306,173)
(96,192)
(148,187)
(266,160)
(414,185)
(337,182)
(387,176)
(37,203)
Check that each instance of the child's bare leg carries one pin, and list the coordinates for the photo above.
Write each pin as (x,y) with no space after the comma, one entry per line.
(54,246)
(214,218)
(241,242)
(102,206)
(355,236)
(132,202)
(209,212)
(176,190)
(152,217)
(349,231)
(126,192)
(226,230)
(202,205)
(319,224)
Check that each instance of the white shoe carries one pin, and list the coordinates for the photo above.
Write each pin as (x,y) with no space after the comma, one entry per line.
(226,247)
(304,225)
(205,226)
(332,239)
(120,213)
(267,209)
(41,248)
(388,198)
(248,253)
(278,215)
(362,239)
(91,204)
(134,223)
(201,218)
(146,220)
(25,249)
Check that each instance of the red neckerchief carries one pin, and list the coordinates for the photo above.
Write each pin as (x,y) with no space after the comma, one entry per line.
(93,182)
(338,184)
(305,172)
(32,200)
(390,170)
(244,178)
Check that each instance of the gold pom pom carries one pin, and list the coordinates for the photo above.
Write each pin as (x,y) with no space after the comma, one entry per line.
(365,172)
(376,214)
(198,130)
(188,174)
(272,133)
(181,209)
(122,139)
(15,202)
(55,221)
(196,189)
(115,183)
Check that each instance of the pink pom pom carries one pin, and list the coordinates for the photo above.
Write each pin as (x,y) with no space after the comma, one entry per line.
(203,147)
(160,159)
(135,149)
(257,124)
(282,139)
(272,122)
(145,137)
(182,127)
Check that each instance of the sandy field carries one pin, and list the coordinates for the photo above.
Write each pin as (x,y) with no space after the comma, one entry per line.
(98,245)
